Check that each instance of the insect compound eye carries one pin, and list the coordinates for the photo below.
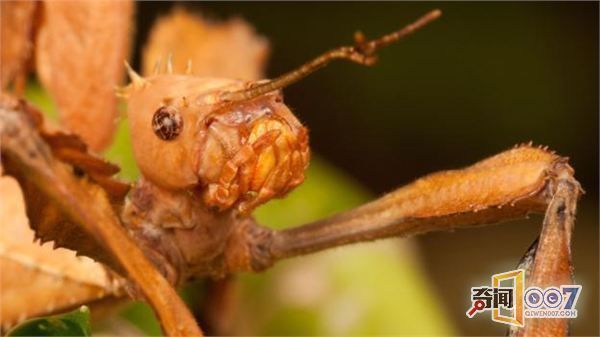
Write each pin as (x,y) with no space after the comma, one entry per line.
(167,123)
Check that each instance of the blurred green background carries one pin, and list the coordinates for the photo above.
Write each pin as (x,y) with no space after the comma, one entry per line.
(486,76)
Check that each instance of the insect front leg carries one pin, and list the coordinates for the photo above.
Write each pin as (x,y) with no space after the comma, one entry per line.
(227,190)
(507,186)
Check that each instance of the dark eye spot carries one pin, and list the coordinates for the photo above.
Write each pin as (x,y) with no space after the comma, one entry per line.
(167,123)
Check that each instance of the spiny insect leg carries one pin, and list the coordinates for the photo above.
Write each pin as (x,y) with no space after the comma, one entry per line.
(507,186)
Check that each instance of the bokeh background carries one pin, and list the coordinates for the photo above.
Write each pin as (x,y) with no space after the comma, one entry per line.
(483,78)
(486,76)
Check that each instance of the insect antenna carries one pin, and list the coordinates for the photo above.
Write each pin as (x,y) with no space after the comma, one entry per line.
(363,52)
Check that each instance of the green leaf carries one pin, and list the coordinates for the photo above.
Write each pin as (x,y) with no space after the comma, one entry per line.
(142,317)
(74,323)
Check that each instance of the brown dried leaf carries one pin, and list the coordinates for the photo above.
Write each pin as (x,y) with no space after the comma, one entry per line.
(16,34)
(80,48)
(229,49)
(56,279)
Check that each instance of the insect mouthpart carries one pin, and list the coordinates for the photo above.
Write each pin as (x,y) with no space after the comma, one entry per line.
(266,151)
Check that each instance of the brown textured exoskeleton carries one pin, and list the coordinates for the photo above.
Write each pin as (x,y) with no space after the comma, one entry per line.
(210,150)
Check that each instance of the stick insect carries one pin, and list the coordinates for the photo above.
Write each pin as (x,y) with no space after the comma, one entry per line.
(211,150)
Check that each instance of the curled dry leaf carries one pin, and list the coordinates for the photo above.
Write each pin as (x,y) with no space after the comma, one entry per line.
(229,49)
(80,48)
(17,29)
(57,279)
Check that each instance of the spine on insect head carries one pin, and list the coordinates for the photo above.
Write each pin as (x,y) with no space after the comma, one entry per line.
(158,65)
(136,82)
(234,141)
(236,154)
(134,77)
(170,64)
